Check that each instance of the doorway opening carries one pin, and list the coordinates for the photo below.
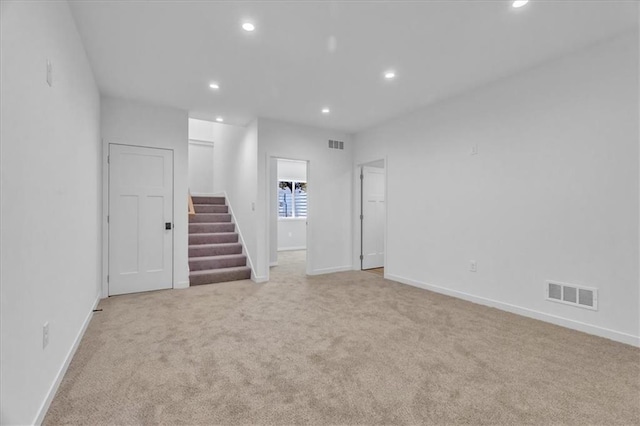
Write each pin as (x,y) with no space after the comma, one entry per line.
(372,216)
(289,213)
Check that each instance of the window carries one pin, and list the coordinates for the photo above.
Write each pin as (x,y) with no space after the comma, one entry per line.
(292,199)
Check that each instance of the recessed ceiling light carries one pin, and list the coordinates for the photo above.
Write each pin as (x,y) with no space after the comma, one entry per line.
(519,3)
(214,86)
(326,110)
(248,26)
(219,119)
(390,75)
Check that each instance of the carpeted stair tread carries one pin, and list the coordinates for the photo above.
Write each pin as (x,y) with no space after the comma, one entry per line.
(210,208)
(200,250)
(208,271)
(210,218)
(213,238)
(217,244)
(220,256)
(219,275)
(217,262)
(207,200)
(208,228)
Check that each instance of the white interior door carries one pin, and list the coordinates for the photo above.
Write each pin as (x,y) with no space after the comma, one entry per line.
(373,211)
(140,211)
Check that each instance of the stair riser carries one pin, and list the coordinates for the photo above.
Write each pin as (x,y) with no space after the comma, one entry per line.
(199,228)
(220,277)
(210,218)
(199,265)
(208,200)
(213,239)
(214,251)
(211,209)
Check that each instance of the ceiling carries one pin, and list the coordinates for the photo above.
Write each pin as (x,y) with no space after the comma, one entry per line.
(306,55)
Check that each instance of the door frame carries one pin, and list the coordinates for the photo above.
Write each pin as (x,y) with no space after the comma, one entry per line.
(272,205)
(357,223)
(105,213)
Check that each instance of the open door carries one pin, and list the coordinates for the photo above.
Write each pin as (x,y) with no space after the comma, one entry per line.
(372,217)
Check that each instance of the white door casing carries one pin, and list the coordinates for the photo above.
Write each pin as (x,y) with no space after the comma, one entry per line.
(373,212)
(140,207)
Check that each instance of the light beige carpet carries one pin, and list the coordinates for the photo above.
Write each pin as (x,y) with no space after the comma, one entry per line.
(347,348)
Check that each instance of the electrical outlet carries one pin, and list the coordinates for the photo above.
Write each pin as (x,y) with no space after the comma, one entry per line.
(474,150)
(45,335)
(49,73)
(473,266)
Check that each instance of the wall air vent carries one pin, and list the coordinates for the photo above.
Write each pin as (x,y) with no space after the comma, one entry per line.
(336,144)
(571,294)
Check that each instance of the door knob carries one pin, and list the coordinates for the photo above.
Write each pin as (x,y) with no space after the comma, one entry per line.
(167,225)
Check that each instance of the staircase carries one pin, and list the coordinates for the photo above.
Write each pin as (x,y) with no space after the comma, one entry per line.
(215,255)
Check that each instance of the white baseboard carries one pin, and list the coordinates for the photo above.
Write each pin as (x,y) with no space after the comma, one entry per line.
(65,365)
(181,285)
(292,248)
(331,270)
(629,339)
(259,279)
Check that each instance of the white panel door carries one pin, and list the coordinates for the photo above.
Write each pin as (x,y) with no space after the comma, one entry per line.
(373,211)
(140,211)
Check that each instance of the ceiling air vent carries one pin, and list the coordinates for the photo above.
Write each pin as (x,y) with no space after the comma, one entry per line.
(571,294)
(336,144)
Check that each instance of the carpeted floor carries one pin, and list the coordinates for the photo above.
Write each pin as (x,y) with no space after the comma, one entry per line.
(346,348)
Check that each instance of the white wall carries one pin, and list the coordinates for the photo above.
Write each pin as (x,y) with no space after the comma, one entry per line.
(200,130)
(50,202)
(329,186)
(201,156)
(292,232)
(552,193)
(131,123)
(201,159)
(236,162)
(225,164)
(292,170)
(225,139)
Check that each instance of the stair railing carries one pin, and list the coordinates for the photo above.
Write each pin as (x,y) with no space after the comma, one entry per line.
(192,210)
